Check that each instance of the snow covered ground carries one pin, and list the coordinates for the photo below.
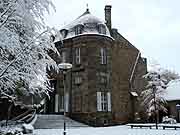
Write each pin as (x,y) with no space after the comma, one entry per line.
(116,130)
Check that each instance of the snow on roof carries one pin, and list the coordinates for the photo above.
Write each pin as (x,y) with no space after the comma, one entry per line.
(90,25)
(86,17)
(173,91)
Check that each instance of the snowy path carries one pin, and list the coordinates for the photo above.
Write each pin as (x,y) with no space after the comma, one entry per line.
(117,130)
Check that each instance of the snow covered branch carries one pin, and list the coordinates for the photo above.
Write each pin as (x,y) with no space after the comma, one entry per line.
(23,49)
(20,53)
(156,88)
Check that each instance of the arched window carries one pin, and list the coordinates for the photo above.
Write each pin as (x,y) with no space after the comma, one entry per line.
(78,29)
(64,33)
(101,29)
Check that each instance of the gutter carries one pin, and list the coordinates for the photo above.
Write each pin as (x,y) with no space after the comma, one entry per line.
(134,67)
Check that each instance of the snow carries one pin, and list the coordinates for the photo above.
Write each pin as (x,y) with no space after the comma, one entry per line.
(173,91)
(11,129)
(23,48)
(89,23)
(27,128)
(116,130)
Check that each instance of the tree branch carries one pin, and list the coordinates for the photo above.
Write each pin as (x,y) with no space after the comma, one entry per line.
(17,56)
(4,22)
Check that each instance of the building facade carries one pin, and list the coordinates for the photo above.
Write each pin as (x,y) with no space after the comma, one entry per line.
(105,82)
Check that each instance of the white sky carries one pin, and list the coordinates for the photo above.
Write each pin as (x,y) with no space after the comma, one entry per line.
(153,26)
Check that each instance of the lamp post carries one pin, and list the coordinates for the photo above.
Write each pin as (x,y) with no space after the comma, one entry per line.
(155,110)
(178,108)
(64,67)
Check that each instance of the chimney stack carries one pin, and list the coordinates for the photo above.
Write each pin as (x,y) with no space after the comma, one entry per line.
(108,16)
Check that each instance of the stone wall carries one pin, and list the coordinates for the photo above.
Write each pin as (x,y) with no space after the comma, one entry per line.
(124,55)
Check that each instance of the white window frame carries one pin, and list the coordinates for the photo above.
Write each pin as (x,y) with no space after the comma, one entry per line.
(109,101)
(99,108)
(77,56)
(103,56)
(104,101)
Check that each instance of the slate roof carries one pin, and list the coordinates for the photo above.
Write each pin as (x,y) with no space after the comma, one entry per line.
(89,23)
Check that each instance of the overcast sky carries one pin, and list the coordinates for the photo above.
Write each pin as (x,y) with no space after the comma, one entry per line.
(153,26)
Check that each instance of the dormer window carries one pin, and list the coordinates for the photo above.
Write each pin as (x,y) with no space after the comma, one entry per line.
(101,29)
(64,33)
(78,29)
(52,38)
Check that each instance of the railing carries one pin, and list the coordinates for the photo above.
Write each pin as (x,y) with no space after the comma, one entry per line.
(26,117)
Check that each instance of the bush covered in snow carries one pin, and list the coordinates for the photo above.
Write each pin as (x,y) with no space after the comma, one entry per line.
(168,120)
(17,129)
(11,131)
(27,128)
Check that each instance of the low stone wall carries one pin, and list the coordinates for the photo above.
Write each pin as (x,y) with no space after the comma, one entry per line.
(96,119)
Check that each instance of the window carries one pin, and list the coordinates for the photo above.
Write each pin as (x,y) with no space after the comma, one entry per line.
(77,56)
(101,29)
(77,79)
(64,33)
(103,78)
(103,56)
(103,101)
(78,29)
(63,56)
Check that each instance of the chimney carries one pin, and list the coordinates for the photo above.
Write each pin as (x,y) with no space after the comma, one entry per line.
(108,16)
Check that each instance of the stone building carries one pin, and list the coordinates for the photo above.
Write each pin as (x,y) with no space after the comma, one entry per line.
(103,86)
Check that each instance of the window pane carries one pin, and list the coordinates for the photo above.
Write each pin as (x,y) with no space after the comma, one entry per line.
(103,56)
(77,78)
(77,56)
